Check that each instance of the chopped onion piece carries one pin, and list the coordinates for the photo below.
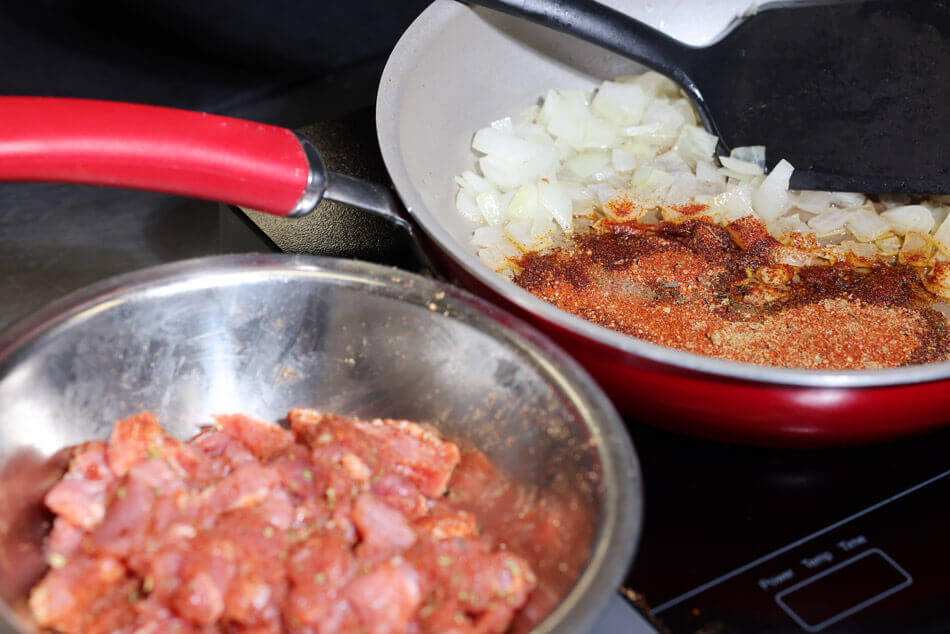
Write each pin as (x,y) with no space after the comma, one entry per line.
(504,144)
(555,200)
(942,237)
(604,192)
(916,249)
(466,205)
(813,201)
(487,236)
(793,224)
(889,244)
(740,167)
(682,189)
(862,250)
(771,199)
(706,172)
(489,203)
(621,104)
(735,203)
(588,164)
(909,218)
(493,258)
(623,161)
(695,144)
(750,154)
(866,225)
(655,84)
(642,130)
(672,162)
(524,204)
(475,181)
(649,180)
(529,114)
(830,222)
(847,199)
(939,214)
(669,118)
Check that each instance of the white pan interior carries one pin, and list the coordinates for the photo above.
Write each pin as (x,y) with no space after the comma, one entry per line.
(458,68)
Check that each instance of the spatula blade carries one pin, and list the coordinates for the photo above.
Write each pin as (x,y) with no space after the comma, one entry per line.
(855,95)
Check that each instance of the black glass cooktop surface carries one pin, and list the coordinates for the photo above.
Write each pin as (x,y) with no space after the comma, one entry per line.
(740,539)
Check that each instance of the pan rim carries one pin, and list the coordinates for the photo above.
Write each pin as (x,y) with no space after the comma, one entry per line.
(400,61)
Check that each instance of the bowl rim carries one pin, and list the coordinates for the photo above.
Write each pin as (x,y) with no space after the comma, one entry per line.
(615,542)
(401,61)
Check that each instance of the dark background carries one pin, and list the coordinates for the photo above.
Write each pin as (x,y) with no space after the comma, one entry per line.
(214,55)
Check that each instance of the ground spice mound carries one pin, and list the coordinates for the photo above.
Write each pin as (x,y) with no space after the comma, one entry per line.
(719,291)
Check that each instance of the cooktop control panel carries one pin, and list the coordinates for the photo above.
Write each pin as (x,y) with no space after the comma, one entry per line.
(885,568)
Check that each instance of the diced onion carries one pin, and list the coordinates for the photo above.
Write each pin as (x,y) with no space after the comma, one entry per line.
(866,225)
(909,218)
(556,167)
(740,167)
(621,104)
(830,222)
(556,202)
(813,201)
(771,199)
(750,154)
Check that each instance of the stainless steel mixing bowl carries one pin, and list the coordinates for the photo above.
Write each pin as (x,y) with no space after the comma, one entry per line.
(262,334)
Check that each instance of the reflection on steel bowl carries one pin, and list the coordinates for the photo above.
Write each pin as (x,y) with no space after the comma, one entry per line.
(264,334)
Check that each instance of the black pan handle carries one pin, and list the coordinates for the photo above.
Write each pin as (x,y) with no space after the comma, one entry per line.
(605,27)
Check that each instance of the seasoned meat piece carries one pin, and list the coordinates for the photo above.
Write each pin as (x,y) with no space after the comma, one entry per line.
(259,584)
(318,569)
(246,486)
(385,445)
(132,440)
(127,519)
(65,596)
(312,611)
(400,494)
(206,572)
(114,613)
(225,452)
(477,583)
(384,531)
(325,559)
(445,522)
(156,618)
(81,496)
(263,439)
(386,599)
(64,539)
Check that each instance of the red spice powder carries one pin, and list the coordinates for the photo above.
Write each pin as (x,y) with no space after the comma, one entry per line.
(718,291)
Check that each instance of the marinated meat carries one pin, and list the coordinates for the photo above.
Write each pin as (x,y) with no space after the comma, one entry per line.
(337,525)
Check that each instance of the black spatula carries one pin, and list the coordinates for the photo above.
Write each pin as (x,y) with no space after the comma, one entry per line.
(855,95)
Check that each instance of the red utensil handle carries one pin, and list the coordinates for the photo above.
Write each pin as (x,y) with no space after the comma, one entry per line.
(147,147)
